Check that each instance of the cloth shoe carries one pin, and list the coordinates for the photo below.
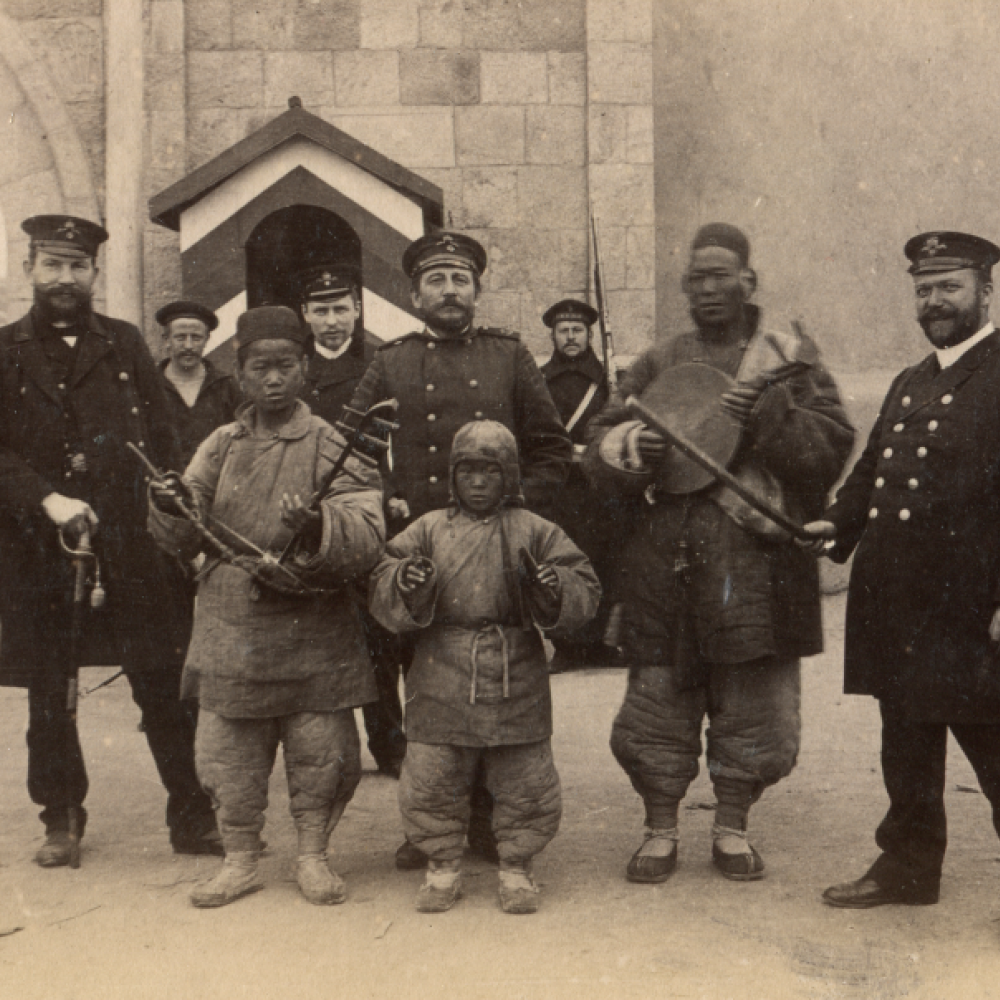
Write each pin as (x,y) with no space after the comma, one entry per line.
(410,858)
(236,878)
(318,884)
(54,853)
(518,892)
(441,890)
(734,856)
(656,859)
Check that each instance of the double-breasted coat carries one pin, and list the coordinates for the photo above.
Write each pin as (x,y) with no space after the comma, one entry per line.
(114,395)
(922,507)
(442,384)
(331,382)
(217,402)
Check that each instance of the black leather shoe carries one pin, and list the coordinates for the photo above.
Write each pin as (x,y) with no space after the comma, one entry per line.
(410,858)
(198,838)
(392,769)
(866,893)
(648,869)
(739,867)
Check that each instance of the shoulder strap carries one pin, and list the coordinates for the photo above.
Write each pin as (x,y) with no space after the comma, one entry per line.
(582,408)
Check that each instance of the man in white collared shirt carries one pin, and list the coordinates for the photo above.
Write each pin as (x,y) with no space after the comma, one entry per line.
(922,508)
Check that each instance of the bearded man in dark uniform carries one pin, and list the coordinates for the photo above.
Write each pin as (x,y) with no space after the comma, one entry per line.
(444,375)
(579,388)
(338,359)
(75,387)
(921,512)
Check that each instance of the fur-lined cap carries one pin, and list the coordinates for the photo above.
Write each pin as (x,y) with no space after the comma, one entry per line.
(488,441)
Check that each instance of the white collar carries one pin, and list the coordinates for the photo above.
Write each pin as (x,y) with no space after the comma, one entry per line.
(325,352)
(947,356)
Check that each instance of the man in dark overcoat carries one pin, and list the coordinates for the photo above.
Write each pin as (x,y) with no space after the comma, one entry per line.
(921,513)
(718,610)
(577,383)
(75,387)
(444,375)
(339,356)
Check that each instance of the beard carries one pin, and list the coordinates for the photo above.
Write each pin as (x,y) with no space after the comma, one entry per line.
(62,304)
(947,327)
(455,320)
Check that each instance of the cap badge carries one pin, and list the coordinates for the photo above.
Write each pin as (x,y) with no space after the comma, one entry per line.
(68,230)
(450,247)
(933,246)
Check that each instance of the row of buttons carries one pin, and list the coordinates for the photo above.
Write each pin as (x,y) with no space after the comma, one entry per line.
(433,416)
(912,483)
(947,399)
(932,425)
(474,383)
(921,452)
(904,514)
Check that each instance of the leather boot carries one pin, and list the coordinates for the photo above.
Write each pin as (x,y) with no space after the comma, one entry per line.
(236,878)
(54,853)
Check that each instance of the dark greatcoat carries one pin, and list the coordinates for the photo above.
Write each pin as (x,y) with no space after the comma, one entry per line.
(114,395)
(216,405)
(752,597)
(568,380)
(922,505)
(443,383)
(330,384)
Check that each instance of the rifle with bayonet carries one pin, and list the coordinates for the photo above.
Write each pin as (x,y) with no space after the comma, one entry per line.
(603,316)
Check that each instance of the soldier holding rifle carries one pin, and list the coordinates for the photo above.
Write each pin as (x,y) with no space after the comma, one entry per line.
(719,605)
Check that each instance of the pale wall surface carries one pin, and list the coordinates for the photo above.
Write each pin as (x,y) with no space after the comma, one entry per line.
(832,131)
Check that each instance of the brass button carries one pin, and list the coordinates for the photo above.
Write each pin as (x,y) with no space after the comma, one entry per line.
(913,484)
(906,401)
(69,475)
(123,376)
(62,385)
(432,416)
(474,383)
(433,449)
(921,452)
(948,400)
(432,479)
(904,515)
(135,411)
(430,388)
(873,513)
(430,345)
(24,390)
(932,425)
(142,444)
(879,483)
(898,428)
(479,414)
(887,453)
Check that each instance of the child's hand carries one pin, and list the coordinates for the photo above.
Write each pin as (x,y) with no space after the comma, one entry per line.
(549,578)
(417,572)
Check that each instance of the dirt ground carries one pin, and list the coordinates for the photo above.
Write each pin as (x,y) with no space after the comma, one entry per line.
(121,927)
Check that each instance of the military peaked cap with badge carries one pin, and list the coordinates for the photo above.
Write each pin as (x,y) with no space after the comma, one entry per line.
(186,309)
(329,281)
(570,309)
(65,235)
(945,251)
(444,249)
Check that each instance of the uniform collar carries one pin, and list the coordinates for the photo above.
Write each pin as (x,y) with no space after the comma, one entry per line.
(329,355)
(947,356)
(587,364)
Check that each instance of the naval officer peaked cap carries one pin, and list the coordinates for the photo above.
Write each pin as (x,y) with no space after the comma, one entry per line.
(329,281)
(444,249)
(65,235)
(944,251)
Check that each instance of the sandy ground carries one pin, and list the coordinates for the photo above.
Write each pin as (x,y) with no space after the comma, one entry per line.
(122,927)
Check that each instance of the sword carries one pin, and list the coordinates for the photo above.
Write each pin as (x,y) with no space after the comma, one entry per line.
(709,464)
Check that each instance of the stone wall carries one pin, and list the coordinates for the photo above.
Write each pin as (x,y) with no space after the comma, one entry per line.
(518,110)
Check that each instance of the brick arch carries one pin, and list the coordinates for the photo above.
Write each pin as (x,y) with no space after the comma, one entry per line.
(72,164)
